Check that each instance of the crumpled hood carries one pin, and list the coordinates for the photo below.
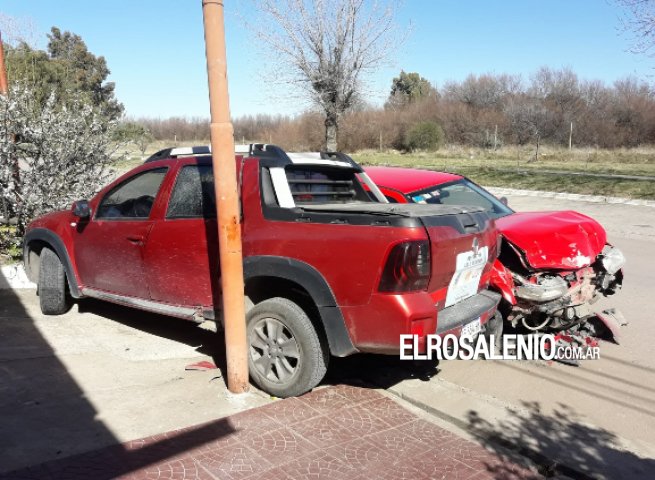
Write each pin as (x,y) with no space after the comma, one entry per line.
(554,240)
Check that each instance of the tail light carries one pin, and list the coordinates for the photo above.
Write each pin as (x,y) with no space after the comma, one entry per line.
(407,268)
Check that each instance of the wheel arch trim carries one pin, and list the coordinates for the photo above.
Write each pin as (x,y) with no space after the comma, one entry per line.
(55,242)
(311,280)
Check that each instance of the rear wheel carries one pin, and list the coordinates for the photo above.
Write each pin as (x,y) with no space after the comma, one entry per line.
(285,354)
(52,284)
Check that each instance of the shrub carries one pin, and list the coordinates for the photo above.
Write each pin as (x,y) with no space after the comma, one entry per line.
(50,156)
(424,136)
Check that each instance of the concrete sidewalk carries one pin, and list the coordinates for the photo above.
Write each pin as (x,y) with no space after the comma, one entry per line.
(340,432)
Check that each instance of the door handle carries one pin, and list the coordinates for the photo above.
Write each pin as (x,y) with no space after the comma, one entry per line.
(135,239)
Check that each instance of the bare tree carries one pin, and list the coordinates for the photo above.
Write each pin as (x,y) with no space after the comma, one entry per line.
(18,29)
(640,20)
(529,119)
(483,91)
(327,47)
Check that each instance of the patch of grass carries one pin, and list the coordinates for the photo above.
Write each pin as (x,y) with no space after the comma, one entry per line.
(637,189)
(621,161)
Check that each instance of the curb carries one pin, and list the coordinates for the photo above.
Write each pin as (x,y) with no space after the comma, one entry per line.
(500,191)
(14,277)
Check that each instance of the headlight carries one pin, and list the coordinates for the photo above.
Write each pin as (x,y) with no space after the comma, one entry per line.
(549,288)
(613,259)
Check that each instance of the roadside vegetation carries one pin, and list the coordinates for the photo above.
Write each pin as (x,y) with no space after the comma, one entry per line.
(499,129)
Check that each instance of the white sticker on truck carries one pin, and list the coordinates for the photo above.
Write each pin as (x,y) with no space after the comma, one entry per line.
(466,280)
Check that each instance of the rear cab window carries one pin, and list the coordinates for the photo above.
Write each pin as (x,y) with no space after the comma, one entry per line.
(193,195)
(324,185)
(298,185)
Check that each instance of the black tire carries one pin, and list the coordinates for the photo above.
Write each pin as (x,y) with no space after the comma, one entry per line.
(53,298)
(278,332)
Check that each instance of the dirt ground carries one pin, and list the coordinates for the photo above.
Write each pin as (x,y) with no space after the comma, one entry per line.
(103,374)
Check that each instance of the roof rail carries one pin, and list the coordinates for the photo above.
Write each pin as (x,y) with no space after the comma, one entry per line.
(197,151)
(253,149)
(262,150)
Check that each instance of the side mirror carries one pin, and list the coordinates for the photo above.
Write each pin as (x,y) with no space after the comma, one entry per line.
(81,209)
(503,200)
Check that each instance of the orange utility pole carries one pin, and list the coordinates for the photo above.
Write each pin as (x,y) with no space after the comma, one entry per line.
(4,85)
(227,199)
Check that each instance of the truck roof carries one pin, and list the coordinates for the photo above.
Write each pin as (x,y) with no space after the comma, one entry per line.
(328,159)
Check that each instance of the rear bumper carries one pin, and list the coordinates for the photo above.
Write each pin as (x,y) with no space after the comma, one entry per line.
(376,327)
(453,318)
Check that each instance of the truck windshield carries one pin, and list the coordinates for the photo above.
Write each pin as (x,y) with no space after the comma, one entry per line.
(461,192)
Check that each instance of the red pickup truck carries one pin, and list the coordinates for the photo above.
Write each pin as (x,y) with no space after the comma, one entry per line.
(330,267)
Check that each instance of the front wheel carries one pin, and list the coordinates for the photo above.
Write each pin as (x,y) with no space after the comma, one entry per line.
(285,354)
(53,298)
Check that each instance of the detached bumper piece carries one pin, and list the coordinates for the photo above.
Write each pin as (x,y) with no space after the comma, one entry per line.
(482,305)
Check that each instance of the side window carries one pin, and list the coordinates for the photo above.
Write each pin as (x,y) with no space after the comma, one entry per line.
(134,197)
(391,199)
(193,195)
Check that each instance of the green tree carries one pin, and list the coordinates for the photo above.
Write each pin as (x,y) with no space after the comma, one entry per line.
(408,88)
(134,133)
(424,136)
(67,68)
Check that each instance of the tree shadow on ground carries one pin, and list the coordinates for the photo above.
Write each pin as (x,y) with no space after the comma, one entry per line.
(560,443)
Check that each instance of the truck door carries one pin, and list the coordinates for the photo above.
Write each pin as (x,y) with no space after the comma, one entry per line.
(181,257)
(109,248)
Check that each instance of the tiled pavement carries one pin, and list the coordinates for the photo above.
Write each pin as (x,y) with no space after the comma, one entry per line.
(338,432)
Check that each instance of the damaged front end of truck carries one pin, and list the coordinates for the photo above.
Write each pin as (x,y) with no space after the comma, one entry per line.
(552,268)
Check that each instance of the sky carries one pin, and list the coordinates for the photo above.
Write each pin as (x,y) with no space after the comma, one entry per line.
(155,49)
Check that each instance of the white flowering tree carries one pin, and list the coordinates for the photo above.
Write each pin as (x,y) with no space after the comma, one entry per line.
(50,155)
